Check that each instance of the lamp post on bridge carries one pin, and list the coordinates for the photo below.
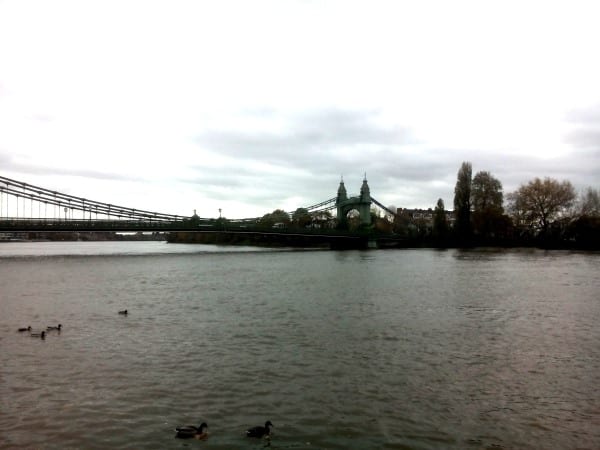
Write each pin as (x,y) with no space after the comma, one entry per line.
(221,224)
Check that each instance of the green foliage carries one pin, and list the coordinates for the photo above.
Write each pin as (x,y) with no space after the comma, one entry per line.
(486,201)
(278,216)
(221,222)
(486,193)
(462,201)
(301,218)
(440,223)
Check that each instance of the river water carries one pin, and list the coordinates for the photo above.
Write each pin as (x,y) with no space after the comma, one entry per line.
(397,349)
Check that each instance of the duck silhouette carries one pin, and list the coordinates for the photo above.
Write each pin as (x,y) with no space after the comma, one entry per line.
(190,431)
(25,329)
(260,432)
(124,312)
(39,335)
(58,328)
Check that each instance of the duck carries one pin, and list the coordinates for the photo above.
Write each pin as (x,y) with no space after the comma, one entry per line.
(39,335)
(58,328)
(25,329)
(124,312)
(190,431)
(260,432)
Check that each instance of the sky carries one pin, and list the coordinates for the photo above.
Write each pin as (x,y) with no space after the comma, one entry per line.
(250,106)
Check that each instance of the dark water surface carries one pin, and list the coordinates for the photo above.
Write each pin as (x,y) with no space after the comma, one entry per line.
(412,349)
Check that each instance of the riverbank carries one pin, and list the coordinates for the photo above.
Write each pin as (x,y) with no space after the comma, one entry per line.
(365,241)
(81,236)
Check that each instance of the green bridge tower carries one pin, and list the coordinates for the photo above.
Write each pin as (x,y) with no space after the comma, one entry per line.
(361,203)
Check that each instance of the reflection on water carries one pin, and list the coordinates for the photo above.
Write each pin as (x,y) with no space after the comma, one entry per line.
(114,248)
(383,349)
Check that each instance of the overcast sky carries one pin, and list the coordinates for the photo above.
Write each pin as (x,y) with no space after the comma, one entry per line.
(255,105)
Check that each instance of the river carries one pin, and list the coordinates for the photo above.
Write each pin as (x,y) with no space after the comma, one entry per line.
(396,349)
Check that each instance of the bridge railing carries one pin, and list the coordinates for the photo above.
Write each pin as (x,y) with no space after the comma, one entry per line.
(51,225)
(45,224)
(42,196)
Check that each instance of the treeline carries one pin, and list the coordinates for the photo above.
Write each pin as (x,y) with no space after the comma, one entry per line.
(542,212)
(301,218)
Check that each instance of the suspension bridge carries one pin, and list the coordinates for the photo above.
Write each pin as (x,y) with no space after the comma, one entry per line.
(28,208)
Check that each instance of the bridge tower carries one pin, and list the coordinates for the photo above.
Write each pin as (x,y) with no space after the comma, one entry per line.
(361,203)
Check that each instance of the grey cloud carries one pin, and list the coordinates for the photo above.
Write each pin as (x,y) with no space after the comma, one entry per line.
(5,160)
(306,138)
(8,164)
(581,168)
(312,149)
(427,165)
(589,115)
(585,137)
(323,145)
(224,180)
(585,129)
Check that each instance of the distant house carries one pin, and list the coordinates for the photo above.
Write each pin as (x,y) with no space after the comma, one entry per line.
(423,215)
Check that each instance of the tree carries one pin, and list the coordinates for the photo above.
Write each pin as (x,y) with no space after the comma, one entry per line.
(539,204)
(585,229)
(402,223)
(440,223)
(382,224)
(277,216)
(589,203)
(462,201)
(486,192)
(301,218)
(486,202)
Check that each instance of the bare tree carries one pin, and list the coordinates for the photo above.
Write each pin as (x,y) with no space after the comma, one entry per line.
(539,203)
(589,203)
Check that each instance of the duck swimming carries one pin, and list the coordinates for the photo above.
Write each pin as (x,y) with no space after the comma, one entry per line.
(124,312)
(58,328)
(39,335)
(259,432)
(192,432)
(25,329)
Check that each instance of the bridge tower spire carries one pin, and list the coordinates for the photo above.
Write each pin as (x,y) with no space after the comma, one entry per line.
(365,192)
(342,196)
